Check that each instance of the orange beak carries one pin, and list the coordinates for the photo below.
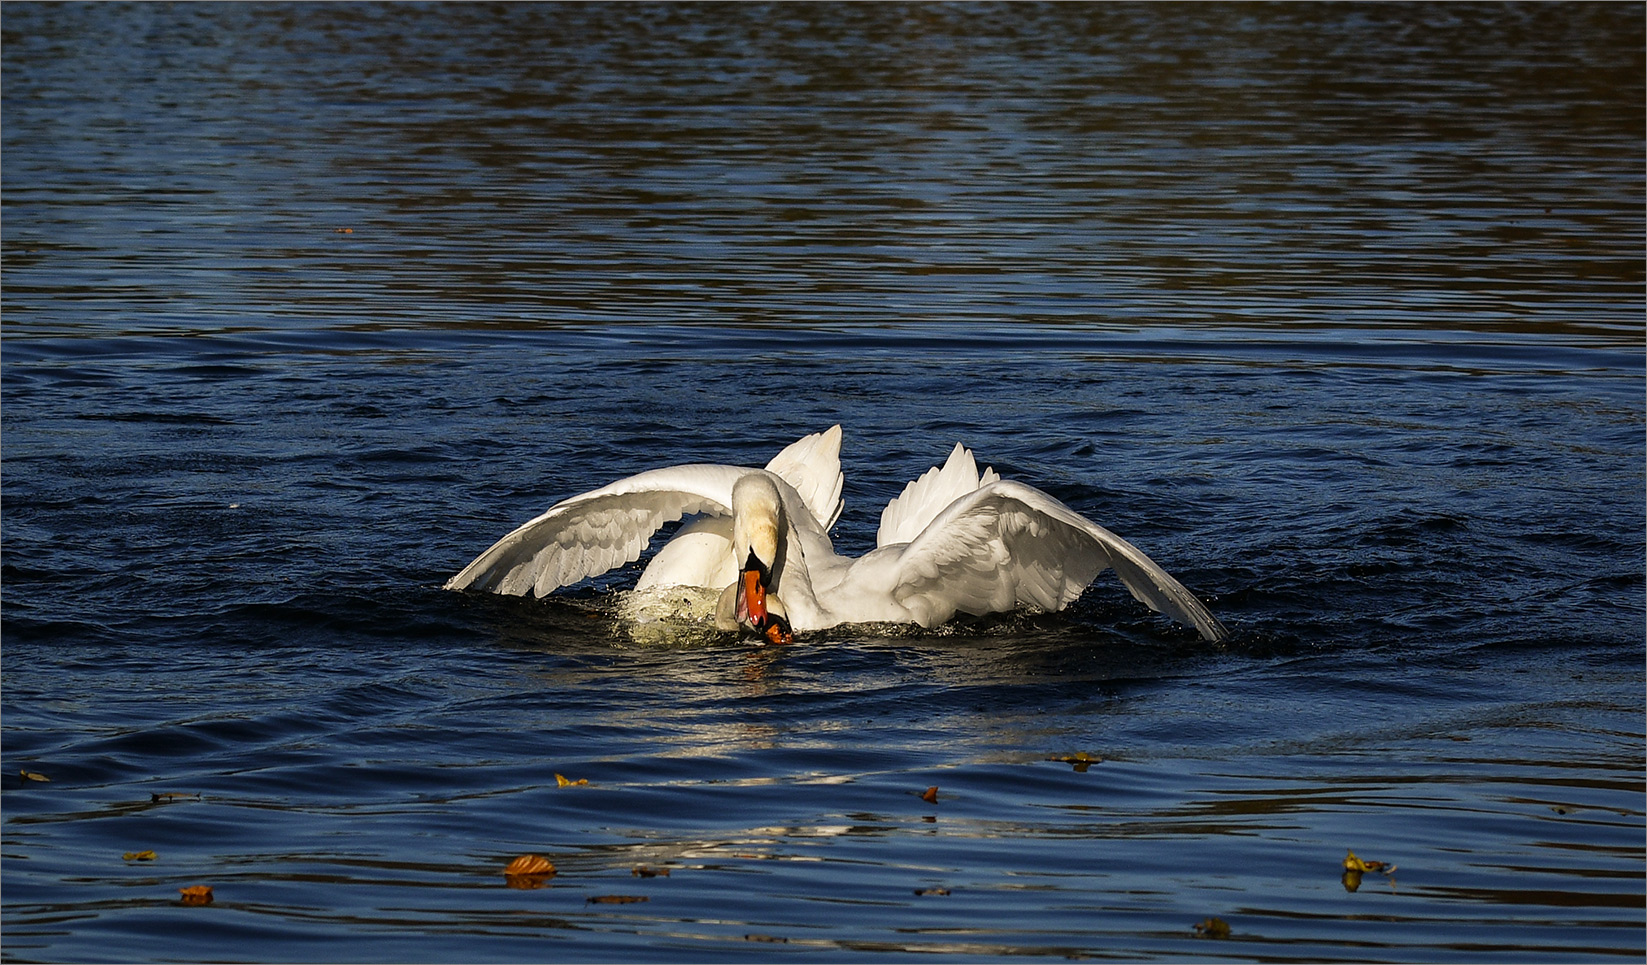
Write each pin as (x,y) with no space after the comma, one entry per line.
(754,597)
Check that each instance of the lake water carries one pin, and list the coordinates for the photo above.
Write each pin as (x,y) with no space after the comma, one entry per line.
(1336,311)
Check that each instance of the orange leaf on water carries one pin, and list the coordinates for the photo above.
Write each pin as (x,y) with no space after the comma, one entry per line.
(530,864)
(196,894)
(930,795)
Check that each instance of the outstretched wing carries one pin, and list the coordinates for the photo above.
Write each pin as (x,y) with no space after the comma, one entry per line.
(1007,545)
(589,534)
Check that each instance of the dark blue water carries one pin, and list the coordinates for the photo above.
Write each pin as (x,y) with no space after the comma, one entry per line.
(1336,311)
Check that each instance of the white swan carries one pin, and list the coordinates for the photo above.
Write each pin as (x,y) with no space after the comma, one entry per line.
(953,541)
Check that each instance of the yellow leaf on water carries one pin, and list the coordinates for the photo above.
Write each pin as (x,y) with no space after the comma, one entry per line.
(196,894)
(561,780)
(1081,760)
(1352,863)
(35,776)
(1213,928)
(139,856)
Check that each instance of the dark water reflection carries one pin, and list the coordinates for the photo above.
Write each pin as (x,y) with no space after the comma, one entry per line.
(1335,310)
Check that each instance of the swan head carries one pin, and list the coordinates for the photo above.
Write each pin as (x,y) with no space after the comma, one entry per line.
(757,524)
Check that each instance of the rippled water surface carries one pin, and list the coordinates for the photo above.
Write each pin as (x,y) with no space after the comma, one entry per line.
(1336,311)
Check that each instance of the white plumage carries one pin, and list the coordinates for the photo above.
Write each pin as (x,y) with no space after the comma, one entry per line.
(954,541)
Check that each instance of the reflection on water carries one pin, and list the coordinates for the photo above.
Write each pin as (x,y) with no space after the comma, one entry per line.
(1334,310)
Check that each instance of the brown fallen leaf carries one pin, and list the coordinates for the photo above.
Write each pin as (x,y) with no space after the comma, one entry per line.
(196,894)
(34,776)
(1352,863)
(530,864)
(562,780)
(1213,928)
(932,891)
(641,871)
(616,899)
(930,795)
(139,856)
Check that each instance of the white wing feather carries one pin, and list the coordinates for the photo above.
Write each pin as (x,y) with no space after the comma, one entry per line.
(931,493)
(597,531)
(813,466)
(1007,545)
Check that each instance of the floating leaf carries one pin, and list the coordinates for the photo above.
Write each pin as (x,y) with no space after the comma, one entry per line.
(34,776)
(1352,863)
(1213,928)
(562,780)
(930,795)
(173,796)
(530,864)
(932,891)
(528,871)
(641,871)
(139,856)
(775,939)
(196,894)
(1081,760)
(616,899)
